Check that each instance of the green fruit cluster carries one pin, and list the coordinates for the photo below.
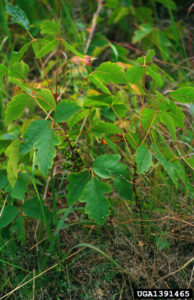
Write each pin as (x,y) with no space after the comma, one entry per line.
(73,159)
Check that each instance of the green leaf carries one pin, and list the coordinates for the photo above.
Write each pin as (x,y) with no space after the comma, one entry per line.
(20,188)
(178,117)
(49,27)
(16,106)
(19,226)
(18,15)
(108,164)
(9,213)
(149,55)
(32,209)
(99,84)
(101,99)
(46,150)
(184,94)
(65,109)
(3,71)
(142,32)
(121,110)
(17,56)
(34,132)
(72,49)
(77,117)
(104,128)
(19,70)
(123,186)
(77,183)
(168,4)
(46,99)
(97,205)
(143,159)
(162,243)
(42,47)
(110,72)
(12,152)
(19,83)
(39,135)
(3,179)
(168,166)
(155,75)
(135,74)
(148,115)
(167,120)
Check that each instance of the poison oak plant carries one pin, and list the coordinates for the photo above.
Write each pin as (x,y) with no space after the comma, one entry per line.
(111,129)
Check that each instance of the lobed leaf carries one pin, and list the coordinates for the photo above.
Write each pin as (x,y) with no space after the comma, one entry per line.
(77,183)
(123,187)
(97,205)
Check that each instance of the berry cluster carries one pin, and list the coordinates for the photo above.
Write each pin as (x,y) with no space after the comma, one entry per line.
(73,159)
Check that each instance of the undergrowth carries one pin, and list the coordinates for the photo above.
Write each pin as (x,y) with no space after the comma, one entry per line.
(96,149)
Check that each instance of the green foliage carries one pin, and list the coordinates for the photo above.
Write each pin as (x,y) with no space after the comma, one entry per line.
(134,74)
(106,128)
(18,15)
(50,28)
(12,152)
(143,159)
(65,109)
(16,106)
(93,119)
(8,215)
(97,205)
(19,70)
(107,165)
(110,72)
(46,99)
(72,49)
(168,166)
(77,184)
(97,82)
(184,94)
(32,209)
(42,47)
(142,32)
(40,136)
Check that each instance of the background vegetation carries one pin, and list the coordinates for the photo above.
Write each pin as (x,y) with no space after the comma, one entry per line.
(96,143)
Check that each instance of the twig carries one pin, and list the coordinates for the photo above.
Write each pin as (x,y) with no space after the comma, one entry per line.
(94,20)
(178,270)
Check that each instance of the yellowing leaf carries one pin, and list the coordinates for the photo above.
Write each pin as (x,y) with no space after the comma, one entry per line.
(12,152)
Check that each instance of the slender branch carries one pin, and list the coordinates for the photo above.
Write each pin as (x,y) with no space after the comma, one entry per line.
(93,27)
